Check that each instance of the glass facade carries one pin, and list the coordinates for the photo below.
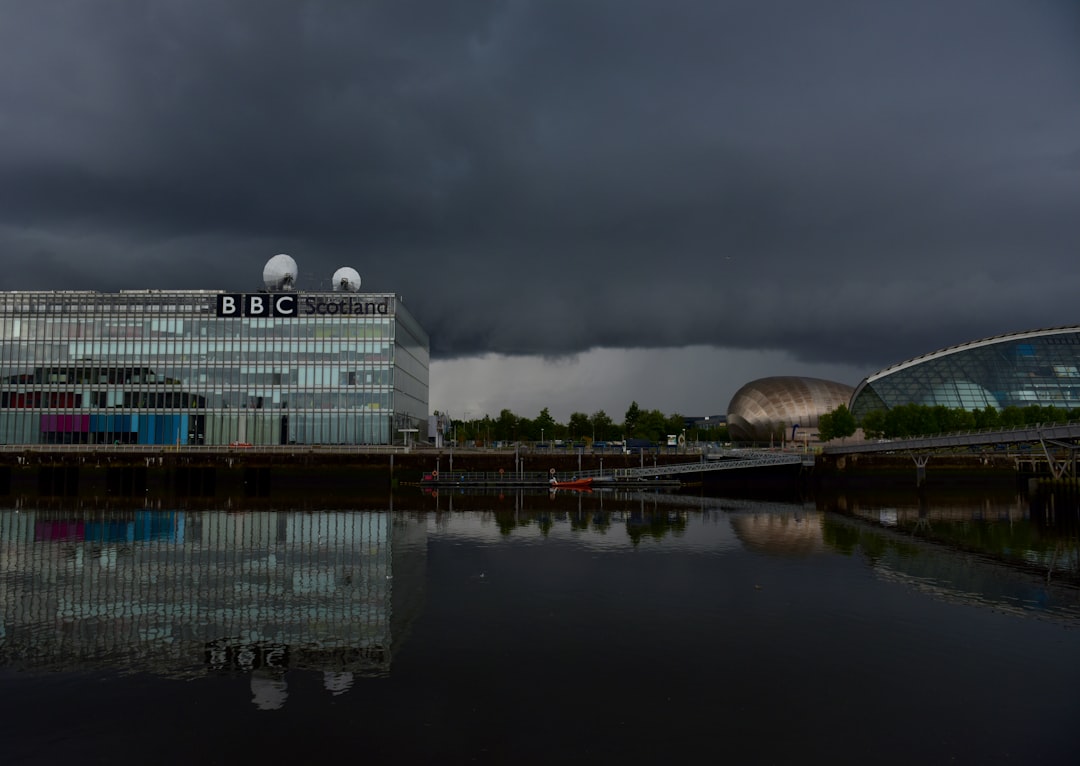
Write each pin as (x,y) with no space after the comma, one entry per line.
(1039,367)
(173,367)
(179,593)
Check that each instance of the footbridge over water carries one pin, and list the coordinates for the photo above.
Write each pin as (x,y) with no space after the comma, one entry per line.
(731,460)
(1056,444)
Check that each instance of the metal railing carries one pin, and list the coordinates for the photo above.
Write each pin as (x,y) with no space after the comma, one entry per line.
(732,461)
(973,438)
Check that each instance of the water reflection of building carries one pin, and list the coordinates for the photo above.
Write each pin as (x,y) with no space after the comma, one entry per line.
(786,533)
(182,594)
(988,555)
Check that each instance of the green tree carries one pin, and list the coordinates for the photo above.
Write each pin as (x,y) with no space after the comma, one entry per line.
(603,427)
(843,421)
(506,427)
(825,428)
(675,424)
(630,420)
(580,427)
(484,429)
(987,417)
(836,424)
(1011,417)
(651,425)
(873,424)
(544,425)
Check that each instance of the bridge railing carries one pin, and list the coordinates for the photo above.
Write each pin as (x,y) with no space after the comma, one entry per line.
(974,437)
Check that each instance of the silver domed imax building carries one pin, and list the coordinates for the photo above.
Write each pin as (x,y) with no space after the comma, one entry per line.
(1040,367)
(769,408)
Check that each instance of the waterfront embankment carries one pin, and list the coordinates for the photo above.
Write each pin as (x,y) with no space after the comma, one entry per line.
(216,475)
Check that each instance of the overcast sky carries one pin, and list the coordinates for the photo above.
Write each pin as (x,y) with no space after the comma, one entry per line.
(585,203)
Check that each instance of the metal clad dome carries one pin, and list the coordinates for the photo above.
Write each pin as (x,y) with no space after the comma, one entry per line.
(780,534)
(279,273)
(346,280)
(768,407)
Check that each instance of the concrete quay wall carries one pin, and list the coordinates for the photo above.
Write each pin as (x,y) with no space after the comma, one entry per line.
(882,470)
(173,475)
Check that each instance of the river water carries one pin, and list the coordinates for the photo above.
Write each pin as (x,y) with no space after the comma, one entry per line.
(610,627)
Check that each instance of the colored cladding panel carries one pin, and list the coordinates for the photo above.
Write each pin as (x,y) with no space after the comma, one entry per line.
(163,429)
(147,526)
(110,531)
(64,399)
(113,424)
(154,525)
(146,429)
(65,423)
(46,531)
(180,430)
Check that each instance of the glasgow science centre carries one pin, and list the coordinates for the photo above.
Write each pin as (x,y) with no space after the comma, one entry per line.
(207,367)
(1040,367)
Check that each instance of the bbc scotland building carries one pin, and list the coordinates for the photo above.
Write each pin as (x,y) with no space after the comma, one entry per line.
(205,367)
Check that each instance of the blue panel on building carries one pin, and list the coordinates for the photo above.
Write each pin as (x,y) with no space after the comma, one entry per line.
(109,531)
(146,430)
(155,525)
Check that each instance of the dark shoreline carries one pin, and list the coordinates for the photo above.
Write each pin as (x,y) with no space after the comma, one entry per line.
(166,477)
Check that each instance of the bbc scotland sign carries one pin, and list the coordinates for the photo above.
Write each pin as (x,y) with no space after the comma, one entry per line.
(268,305)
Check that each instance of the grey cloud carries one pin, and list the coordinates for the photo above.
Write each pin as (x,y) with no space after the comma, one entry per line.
(849,182)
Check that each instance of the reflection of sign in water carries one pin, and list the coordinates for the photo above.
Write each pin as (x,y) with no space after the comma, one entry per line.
(231,653)
(142,526)
(178,593)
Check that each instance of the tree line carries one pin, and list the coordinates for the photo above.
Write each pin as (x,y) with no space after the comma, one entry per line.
(911,420)
(637,423)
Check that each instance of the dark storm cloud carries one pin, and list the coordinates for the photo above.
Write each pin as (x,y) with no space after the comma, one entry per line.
(850,181)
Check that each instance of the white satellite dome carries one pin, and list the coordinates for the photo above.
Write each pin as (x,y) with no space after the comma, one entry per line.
(346,280)
(279,273)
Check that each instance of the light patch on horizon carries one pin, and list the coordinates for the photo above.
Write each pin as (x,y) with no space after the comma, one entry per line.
(693,381)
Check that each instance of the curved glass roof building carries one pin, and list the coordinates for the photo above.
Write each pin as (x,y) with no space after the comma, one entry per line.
(1039,367)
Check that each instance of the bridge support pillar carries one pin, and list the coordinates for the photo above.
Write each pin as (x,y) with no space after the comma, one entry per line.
(920,469)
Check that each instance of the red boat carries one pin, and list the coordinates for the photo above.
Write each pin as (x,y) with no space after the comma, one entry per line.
(573,484)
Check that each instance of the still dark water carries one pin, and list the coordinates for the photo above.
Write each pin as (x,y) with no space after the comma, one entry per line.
(595,629)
